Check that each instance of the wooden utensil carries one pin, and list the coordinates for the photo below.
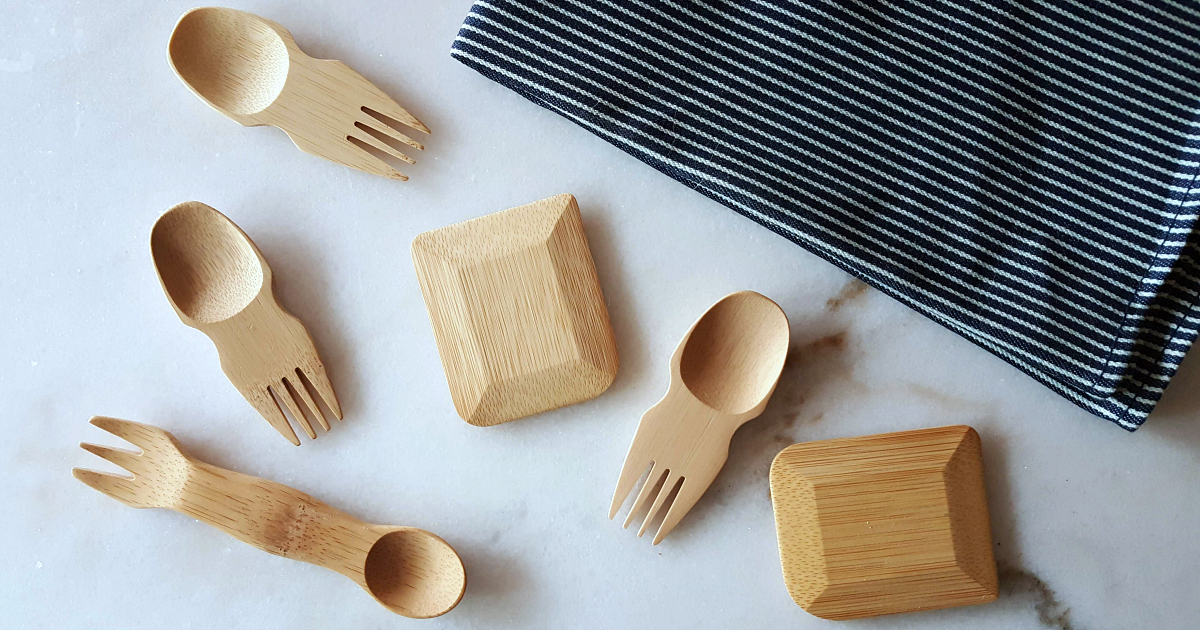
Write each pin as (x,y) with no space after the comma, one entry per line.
(219,283)
(722,375)
(517,313)
(410,571)
(251,70)
(884,523)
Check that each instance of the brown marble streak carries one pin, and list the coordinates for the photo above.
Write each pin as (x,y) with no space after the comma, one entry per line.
(1052,613)
(850,292)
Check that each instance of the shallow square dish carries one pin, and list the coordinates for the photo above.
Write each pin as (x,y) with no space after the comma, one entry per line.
(884,524)
(517,312)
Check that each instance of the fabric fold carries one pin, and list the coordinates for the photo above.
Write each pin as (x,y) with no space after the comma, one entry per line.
(1023,173)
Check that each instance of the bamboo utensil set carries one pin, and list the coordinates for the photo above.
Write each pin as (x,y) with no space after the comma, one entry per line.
(866,526)
(251,70)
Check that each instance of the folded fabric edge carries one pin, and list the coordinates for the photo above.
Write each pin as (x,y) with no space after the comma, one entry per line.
(1127,404)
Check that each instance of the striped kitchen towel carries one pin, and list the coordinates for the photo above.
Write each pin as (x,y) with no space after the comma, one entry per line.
(1021,171)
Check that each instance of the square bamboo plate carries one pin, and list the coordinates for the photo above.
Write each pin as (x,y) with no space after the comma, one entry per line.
(884,524)
(517,312)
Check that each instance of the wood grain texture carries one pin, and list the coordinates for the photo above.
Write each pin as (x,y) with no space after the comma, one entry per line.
(517,312)
(219,283)
(410,571)
(251,70)
(722,375)
(884,524)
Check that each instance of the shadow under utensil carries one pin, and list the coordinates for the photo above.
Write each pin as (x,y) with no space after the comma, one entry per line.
(614,284)
(496,586)
(1019,586)
(1002,513)
(302,287)
(813,367)
(1177,416)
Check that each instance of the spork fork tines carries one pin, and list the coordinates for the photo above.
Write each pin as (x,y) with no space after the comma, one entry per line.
(683,454)
(160,470)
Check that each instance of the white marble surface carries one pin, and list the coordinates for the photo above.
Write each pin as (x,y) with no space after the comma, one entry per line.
(1094,527)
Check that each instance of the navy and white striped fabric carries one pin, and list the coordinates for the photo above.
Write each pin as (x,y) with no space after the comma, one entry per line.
(1021,171)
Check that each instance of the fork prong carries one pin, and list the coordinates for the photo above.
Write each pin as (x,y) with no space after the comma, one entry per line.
(297,383)
(320,382)
(648,489)
(368,163)
(667,487)
(688,494)
(125,459)
(120,488)
(282,393)
(368,138)
(630,473)
(140,435)
(391,109)
(383,129)
(270,411)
